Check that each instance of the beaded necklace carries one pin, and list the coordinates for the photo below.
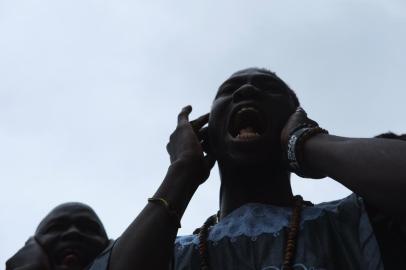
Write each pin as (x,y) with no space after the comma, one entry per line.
(290,247)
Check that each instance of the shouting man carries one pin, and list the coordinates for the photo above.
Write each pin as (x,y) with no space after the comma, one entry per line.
(258,135)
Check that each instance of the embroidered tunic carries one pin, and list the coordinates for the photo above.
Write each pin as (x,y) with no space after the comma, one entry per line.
(333,235)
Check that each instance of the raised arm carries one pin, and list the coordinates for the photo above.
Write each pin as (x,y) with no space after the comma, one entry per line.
(148,242)
(371,167)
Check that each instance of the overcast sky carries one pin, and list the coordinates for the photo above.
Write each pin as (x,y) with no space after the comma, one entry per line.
(90,91)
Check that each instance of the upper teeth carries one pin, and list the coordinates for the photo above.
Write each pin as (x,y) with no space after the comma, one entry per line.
(246,109)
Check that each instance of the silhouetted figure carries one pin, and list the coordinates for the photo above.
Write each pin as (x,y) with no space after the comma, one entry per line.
(258,135)
(390,232)
(70,237)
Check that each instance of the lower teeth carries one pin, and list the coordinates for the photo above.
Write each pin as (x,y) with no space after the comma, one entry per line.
(247,135)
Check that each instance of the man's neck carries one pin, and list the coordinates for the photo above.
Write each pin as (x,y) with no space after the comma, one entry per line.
(253,184)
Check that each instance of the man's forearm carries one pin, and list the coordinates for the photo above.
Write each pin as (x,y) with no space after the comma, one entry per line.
(373,168)
(148,241)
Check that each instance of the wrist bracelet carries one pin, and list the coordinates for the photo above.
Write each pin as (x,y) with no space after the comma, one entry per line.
(295,147)
(172,214)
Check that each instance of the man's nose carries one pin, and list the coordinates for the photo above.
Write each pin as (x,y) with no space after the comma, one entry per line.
(246,91)
(72,233)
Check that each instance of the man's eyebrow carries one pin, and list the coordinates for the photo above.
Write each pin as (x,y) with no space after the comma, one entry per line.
(54,220)
(87,219)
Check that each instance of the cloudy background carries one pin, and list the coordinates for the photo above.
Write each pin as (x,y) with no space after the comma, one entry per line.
(90,90)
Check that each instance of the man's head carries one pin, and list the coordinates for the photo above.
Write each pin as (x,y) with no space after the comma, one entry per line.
(391,135)
(248,113)
(72,235)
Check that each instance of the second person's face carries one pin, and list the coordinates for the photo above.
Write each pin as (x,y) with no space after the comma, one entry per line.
(72,237)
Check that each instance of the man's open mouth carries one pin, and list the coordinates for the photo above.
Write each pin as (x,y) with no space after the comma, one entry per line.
(247,123)
(70,257)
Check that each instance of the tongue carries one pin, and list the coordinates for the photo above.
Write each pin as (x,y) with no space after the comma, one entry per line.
(247,133)
(70,260)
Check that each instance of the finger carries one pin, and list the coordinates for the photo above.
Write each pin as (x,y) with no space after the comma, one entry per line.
(168,148)
(203,133)
(312,123)
(301,110)
(183,116)
(203,136)
(301,115)
(210,161)
(37,240)
(198,123)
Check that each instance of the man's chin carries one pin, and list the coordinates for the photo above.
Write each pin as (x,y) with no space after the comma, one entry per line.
(70,262)
(246,158)
(251,158)
(252,153)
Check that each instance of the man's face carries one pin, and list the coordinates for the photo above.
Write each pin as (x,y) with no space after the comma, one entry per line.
(72,235)
(247,116)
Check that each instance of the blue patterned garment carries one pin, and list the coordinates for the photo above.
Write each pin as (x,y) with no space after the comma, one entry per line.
(333,235)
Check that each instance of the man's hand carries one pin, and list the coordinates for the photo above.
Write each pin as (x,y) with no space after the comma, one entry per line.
(188,142)
(148,243)
(297,119)
(299,123)
(29,257)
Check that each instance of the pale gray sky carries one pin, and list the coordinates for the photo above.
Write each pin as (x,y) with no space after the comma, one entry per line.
(90,90)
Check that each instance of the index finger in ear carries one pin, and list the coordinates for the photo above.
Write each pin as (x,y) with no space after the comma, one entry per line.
(198,123)
(183,116)
(299,109)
